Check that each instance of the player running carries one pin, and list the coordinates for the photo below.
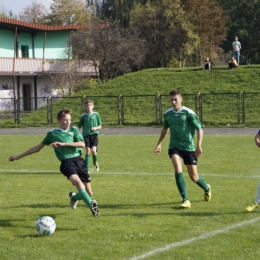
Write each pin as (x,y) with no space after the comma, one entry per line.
(182,123)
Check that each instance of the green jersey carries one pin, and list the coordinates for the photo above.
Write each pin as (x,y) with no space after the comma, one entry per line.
(182,124)
(88,121)
(71,135)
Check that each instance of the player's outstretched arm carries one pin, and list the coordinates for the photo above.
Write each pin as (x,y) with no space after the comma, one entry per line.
(32,150)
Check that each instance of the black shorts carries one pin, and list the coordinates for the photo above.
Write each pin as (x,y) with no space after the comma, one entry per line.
(189,158)
(77,166)
(91,140)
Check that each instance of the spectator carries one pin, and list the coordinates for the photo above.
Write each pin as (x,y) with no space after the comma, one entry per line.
(207,64)
(232,63)
(236,46)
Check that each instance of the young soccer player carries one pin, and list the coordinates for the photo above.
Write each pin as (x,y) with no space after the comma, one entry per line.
(67,143)
(182,123)
(257,200)
(91,123)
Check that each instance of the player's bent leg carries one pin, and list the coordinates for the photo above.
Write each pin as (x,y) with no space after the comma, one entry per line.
(193,172)
(73,201)
(88,188)
(76,181)
(95,158)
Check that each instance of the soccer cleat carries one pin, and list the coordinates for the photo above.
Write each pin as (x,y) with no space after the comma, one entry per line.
(185,204)
(207,195)
(97,167)
(73,204)
(252,207)
(94,208)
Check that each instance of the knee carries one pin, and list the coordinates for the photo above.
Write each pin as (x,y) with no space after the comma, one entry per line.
(194,178)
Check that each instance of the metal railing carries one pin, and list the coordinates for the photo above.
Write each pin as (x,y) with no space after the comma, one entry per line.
(212,108)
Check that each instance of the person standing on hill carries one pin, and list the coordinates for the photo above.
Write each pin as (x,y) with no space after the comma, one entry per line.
(257,200)
(236,47)
(91,123)
(67,142)
(182,123)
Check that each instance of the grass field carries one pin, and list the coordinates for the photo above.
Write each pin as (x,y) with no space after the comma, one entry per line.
(139,203)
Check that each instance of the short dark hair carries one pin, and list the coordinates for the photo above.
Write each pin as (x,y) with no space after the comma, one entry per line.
(90,101)
(61,113)
(174,92)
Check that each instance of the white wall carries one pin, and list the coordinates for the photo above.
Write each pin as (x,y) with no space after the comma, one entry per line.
(7,93)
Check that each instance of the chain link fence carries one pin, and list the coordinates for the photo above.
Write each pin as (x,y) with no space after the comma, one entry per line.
(214,109)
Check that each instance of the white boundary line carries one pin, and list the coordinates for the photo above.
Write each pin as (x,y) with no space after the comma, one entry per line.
(136,173)
(194,239)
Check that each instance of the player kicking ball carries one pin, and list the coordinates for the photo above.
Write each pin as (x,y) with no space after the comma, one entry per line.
(67,142)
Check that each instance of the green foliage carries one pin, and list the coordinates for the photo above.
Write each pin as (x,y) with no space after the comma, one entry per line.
(138,200)
(243,21)
(63,12)
(165,28)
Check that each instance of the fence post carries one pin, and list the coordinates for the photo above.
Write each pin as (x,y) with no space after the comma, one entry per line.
(241,108)
(49,110)
(83,104)
(158,106)
(198,106)
(120,109)
(16,117)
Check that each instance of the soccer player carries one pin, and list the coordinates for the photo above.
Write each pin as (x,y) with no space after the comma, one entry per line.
(182,123)
(91,123)
(257,200)
(67,143)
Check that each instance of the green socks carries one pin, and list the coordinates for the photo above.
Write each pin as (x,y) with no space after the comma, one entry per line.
(202,184)
(82,195)
(181,184)
(95,157)
(87,161)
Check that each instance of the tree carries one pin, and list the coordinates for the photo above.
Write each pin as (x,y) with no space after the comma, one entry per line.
(6,14)
(65,12)
(243,21)
(208,22)
(110,48)
(33,13)
(67,82)
(164,26)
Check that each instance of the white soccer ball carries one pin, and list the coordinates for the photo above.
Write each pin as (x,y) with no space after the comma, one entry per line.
(45,225)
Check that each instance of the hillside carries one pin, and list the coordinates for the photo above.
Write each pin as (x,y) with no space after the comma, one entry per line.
(188,80)
(220,88)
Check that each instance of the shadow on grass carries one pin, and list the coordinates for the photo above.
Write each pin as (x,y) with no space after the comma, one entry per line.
(39,205)
(33,172)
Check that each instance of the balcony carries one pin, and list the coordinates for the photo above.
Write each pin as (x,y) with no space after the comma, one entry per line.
(23,66)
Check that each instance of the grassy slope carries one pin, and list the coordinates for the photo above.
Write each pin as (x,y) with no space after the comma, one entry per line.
(151,82)
(190,80)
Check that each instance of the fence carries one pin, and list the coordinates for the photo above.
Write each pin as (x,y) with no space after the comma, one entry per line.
(214,109)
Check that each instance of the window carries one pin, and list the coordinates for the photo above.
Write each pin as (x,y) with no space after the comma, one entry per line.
(25,51)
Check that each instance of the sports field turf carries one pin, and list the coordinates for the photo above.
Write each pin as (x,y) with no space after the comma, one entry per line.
(139,203)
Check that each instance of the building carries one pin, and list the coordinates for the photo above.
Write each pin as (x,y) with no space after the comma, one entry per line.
(27,52)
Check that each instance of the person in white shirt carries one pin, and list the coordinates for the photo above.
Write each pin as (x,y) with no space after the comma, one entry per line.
(236,46)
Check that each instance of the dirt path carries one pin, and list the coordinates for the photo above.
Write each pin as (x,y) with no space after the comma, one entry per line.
(129,131)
